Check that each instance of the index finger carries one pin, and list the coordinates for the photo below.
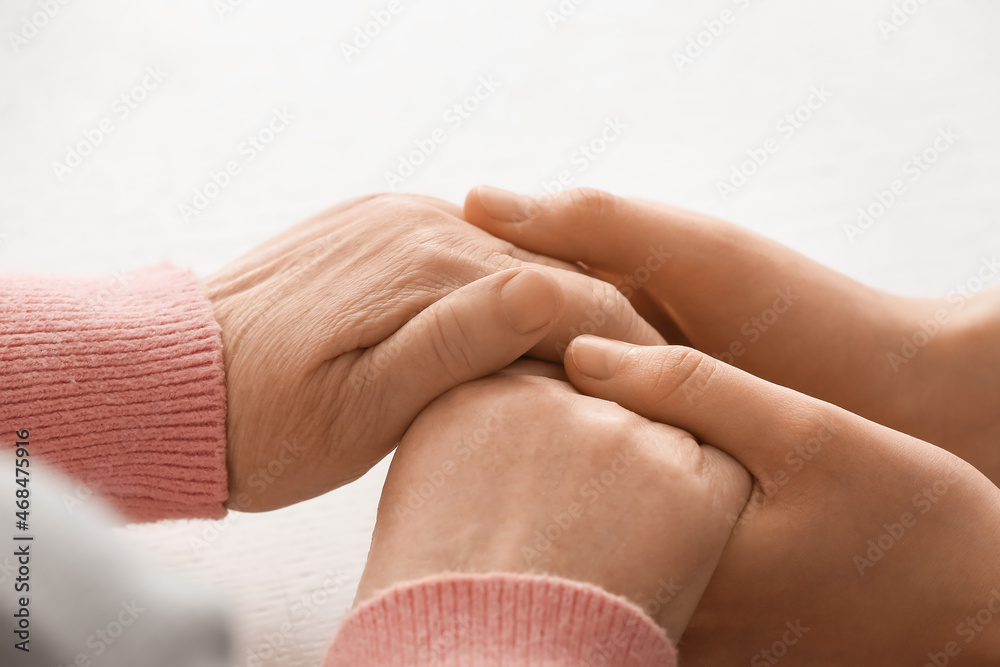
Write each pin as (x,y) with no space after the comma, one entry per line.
(756,422)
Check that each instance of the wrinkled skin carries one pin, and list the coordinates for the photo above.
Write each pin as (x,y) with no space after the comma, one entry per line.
(337,333)
(505,459)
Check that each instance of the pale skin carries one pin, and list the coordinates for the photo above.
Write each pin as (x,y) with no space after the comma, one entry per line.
(345,329)
(883,545)
(337,333)
(766,309)
(858,545)
(526,475)
(874,545)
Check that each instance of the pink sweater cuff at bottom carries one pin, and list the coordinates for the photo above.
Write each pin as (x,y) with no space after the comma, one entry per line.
(121,386)
(492,620)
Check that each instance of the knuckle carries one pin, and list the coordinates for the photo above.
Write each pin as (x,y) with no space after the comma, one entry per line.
(413,212)
(421,200)
(616,313)
(596,305)
(606,426)
(447,342)
(681,374)
(590,202)
(499,259)
(608,297)
(676,451)
(387,200)
(350,204)
(804,422)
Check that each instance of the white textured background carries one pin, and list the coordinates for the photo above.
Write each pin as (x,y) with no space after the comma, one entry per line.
(119,210)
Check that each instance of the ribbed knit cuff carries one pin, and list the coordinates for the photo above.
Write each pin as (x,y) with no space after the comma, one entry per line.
(121,385)
(499,620)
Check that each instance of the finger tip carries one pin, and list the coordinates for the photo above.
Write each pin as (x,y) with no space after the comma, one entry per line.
(532,300)
(477,206)
(502,208)
(595,358)
(473,207)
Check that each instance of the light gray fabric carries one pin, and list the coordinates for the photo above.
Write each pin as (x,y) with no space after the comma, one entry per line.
(92,600)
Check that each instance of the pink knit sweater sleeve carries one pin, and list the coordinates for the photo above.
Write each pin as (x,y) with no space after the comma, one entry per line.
(499,620)
(120,385)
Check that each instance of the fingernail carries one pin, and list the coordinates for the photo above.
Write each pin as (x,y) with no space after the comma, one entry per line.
(504,206)
(595,357)
(530,301)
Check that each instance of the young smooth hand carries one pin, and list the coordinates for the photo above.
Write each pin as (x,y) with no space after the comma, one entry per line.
(337,333)
(927,367)
(519,473)
(859,546)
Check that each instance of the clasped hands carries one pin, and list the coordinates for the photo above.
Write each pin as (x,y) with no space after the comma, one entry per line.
(793,487)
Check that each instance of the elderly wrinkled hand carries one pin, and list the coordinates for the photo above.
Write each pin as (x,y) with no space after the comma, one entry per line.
(337,333)
(519,473)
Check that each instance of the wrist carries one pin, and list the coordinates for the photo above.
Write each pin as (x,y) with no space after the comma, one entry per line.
(470,616)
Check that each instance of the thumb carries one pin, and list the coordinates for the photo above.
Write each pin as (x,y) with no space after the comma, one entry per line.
(596,228)
(475,331)
(754,421)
